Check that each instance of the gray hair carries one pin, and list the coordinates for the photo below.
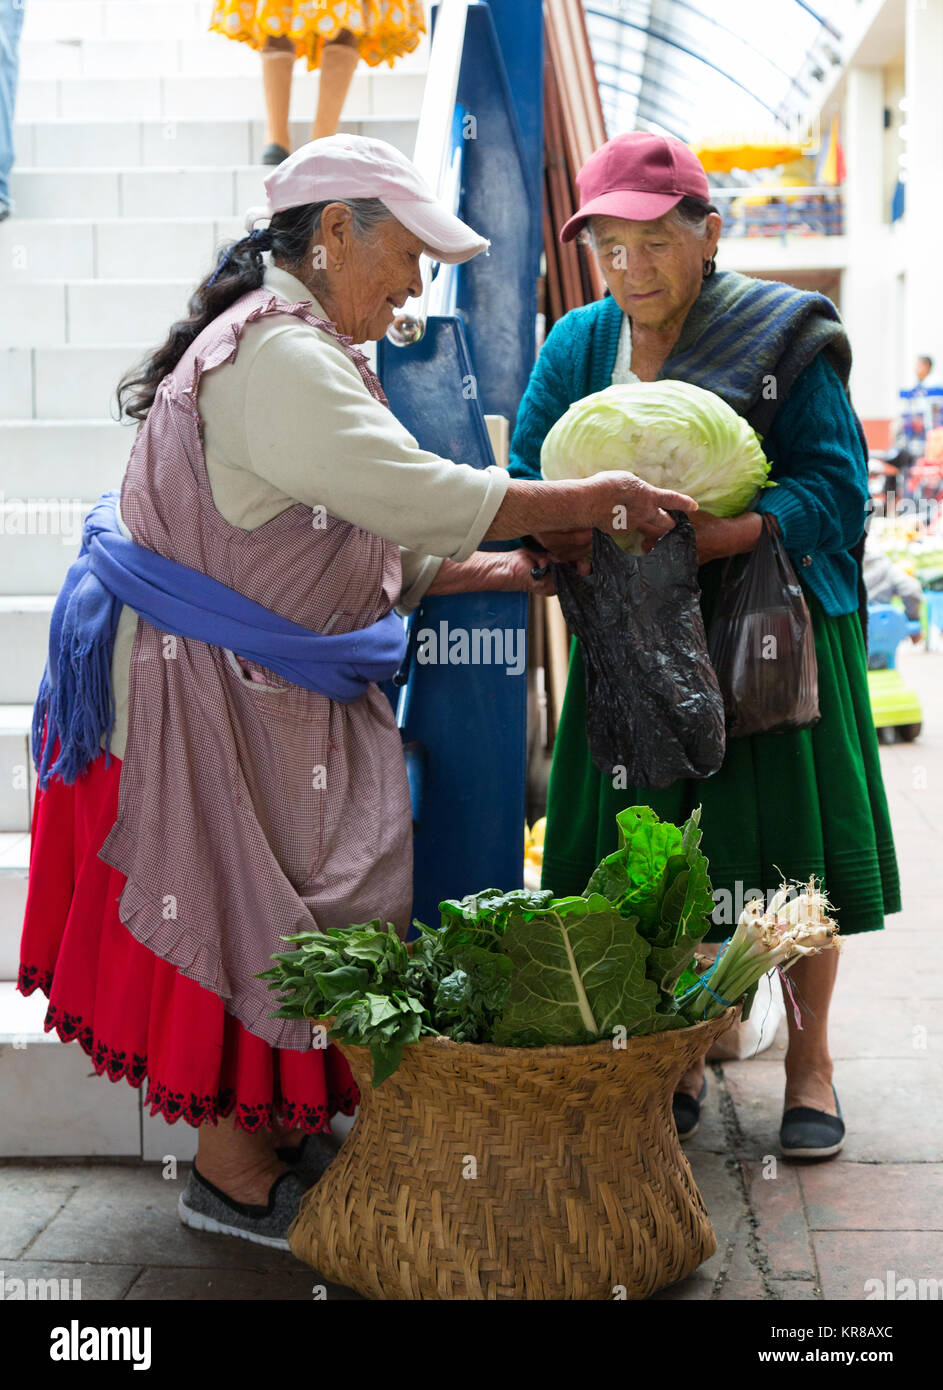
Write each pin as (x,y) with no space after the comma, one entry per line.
(692,213)
(368,213)
(296,229)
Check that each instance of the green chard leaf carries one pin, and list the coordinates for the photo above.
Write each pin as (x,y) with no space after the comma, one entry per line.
(579,972)
(636,877)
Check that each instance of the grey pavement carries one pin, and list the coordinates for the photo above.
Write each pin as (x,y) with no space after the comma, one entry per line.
(785,1231)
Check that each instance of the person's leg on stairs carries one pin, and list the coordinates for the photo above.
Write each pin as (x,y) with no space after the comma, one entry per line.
(278,60)
(339,59)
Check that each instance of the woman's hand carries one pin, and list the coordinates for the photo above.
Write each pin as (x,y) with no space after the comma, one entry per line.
(613,502)
(511,570)
(720,536)
(568,547)
(507,570)
(621,502)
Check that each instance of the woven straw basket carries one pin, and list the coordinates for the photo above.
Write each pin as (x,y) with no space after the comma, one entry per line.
(480,1172)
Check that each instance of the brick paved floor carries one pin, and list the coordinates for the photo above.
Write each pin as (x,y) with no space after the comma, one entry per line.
(812,1231)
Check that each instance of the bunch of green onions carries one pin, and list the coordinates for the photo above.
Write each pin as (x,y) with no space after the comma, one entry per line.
(765,939)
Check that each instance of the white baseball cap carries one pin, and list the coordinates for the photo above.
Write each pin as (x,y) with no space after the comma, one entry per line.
(353,166)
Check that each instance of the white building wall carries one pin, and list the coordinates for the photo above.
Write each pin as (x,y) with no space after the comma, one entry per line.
(868,282)
(924,199)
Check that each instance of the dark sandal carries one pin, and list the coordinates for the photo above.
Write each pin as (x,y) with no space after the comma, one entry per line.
(687,1112)
(808,1133)
(274,154)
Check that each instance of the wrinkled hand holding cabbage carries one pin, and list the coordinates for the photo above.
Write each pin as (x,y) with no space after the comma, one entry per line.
(669,433)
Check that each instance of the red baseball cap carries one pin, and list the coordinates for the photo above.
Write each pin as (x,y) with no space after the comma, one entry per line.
(639,177)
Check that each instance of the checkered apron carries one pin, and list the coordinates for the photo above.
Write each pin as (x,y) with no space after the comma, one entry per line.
(249,807)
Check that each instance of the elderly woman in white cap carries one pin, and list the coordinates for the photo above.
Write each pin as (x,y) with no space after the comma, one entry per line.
(218,766)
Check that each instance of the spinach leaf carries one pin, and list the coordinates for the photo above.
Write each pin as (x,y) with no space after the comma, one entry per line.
(471,998)
(481,919)
(383,1022)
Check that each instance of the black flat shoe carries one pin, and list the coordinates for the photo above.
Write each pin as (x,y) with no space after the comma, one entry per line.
(274,154)
(687,1112)
(808,1133)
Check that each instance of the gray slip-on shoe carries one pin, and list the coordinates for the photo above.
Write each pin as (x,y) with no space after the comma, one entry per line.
(310,1158)
(203,1207)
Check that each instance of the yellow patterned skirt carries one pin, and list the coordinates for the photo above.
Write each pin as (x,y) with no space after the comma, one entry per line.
(384,29)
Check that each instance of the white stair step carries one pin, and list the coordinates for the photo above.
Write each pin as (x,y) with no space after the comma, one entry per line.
(16,770)
(172,143)
(21,1018)
(117,19)
(195,53)
(24,630)
(92,20)
(136,192)
(111,248)
(38,542)
(51,1101)
(14,868)
(45,314)
(143,38)
(30,247)
(65,383)
(373,92)
(62,458)
(16,383)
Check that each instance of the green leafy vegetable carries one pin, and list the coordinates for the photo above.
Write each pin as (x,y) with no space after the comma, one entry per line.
(659,876)
(522,968)
(670,433)
(471,998)
(387,1022)
(579,971)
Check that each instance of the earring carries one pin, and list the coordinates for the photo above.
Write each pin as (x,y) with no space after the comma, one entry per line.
(339,266)
(709,267)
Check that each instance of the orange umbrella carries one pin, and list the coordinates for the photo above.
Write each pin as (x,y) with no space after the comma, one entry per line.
(720,157)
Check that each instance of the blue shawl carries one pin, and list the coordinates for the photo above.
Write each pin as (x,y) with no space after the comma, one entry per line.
(76,703)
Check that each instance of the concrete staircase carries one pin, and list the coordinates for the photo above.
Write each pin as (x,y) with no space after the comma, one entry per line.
(138,136)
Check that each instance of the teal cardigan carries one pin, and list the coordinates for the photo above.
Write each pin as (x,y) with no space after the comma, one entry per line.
(813,446)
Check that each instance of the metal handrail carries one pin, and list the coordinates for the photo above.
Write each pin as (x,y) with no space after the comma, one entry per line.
(762,191)
(435,156)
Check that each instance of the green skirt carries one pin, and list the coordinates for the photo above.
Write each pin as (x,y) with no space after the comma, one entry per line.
(782,806)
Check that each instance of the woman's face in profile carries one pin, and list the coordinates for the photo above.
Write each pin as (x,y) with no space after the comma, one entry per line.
(379,275)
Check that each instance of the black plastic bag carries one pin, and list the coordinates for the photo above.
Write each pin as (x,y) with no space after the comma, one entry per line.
(654,711)
(762,644)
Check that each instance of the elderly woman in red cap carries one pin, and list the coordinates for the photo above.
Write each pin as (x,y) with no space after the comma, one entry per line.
(218,766)
(797,804)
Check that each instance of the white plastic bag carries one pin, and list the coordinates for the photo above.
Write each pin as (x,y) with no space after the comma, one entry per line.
(745,1040)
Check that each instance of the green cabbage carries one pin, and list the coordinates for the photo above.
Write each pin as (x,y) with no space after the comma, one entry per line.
(670,433)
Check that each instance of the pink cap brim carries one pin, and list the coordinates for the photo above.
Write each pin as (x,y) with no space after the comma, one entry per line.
(625,203)
(446,237)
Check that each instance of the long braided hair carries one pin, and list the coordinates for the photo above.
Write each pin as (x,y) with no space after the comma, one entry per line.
(239,269)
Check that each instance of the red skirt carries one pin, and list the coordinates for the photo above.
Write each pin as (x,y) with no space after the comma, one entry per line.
(133,1013)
